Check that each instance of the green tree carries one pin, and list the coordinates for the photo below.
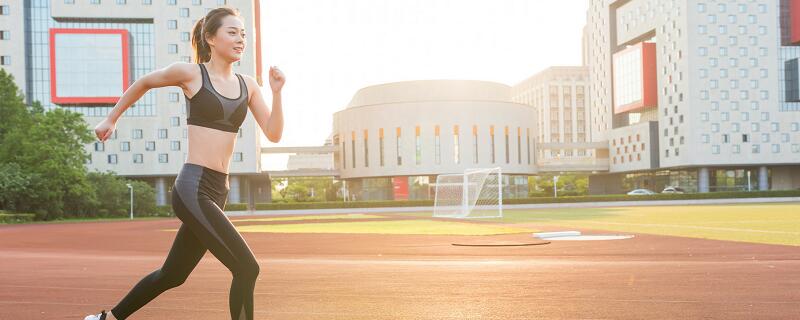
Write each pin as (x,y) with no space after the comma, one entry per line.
(49,149)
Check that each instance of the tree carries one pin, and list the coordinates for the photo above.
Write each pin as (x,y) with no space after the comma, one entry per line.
(48,147)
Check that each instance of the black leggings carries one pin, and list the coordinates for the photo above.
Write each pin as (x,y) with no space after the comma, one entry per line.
(198,195)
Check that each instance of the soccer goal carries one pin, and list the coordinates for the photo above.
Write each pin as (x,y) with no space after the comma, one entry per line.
(476,193)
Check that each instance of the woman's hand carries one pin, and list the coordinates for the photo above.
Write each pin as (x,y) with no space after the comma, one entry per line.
(276,79)
(104,129)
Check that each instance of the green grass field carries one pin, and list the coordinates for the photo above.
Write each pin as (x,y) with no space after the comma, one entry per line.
(756,223)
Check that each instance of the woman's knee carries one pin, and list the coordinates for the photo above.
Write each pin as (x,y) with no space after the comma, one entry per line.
(170,280)
(248,269)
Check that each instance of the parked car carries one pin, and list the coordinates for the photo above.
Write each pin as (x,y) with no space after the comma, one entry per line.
(673,190)
(641,192)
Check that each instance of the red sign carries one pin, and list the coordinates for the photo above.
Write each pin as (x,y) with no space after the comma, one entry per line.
(400,186)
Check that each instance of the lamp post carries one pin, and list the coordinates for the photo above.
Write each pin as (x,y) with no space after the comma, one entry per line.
(555,186)
(130,187)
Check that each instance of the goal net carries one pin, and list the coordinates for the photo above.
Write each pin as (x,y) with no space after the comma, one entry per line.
(476,193)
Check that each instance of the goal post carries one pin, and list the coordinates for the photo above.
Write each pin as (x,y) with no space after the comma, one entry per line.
(476,193)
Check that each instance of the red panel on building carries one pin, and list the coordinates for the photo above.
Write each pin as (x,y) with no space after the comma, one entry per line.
(400,186)
(85,68)
(794,21)
(635,84)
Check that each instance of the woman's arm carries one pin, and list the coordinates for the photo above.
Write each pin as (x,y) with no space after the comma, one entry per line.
(271,123)
(176,74)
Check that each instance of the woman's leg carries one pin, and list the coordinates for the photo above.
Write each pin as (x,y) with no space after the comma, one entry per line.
(209,223)
(184,255)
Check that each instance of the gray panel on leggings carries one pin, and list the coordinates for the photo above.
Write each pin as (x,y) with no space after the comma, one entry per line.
(188,194)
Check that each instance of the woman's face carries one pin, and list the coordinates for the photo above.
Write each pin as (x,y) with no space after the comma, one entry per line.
(229,40)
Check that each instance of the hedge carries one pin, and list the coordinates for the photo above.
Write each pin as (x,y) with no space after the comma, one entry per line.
(16,217)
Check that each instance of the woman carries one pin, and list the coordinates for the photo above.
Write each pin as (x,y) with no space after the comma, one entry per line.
(217,107)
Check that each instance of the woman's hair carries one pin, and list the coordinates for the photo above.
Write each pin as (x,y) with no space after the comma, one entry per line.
(207,26)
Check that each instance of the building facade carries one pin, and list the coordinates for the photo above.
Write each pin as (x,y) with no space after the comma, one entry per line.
(696,93)
(394,139)
(559,96)
(80,55)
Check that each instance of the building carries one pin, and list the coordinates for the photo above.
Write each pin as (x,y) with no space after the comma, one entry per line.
(81,54)
(698,94)
(559,96)
(393,139)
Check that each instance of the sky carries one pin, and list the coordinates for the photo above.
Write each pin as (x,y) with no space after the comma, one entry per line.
(330,49)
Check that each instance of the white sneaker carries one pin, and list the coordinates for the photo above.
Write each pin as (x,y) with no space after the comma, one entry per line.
(99,316)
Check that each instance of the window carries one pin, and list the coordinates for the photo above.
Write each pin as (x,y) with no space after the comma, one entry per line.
(185,36)
(175,146)
(5,60)
(162,133)
(137,133)
(175,121)
(238,157)
(221,2)
(437,146)
(122,1)
(507,151)
(776,148)
(239,133)
(344,155)
(474,144)
(163,158)
(112,159)
(147,2)
(491,135)
(94,1)
(380,145)
(456,145)
(399,149)
(173,97)
(5,35)
(99,146)
(172,48)
(353,147)
(755,148)
(197,2)
(172,2)
(172,24)
(150,146)
(69,1)
(4,10)
(184,12)
(745,138)
(125,146)
(366,148)
(138,158)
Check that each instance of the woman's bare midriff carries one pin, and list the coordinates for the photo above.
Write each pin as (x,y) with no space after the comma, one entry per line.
(210,148)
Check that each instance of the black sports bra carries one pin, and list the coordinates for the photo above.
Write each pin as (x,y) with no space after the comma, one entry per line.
(207,108)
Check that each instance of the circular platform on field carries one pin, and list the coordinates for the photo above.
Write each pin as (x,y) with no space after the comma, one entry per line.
(496,243)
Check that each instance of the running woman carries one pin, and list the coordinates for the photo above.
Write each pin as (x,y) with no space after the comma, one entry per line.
(217,100)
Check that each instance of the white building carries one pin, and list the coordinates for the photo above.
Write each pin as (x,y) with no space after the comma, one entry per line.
(692,93)
(559,96)
(393,139)
(99,47)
